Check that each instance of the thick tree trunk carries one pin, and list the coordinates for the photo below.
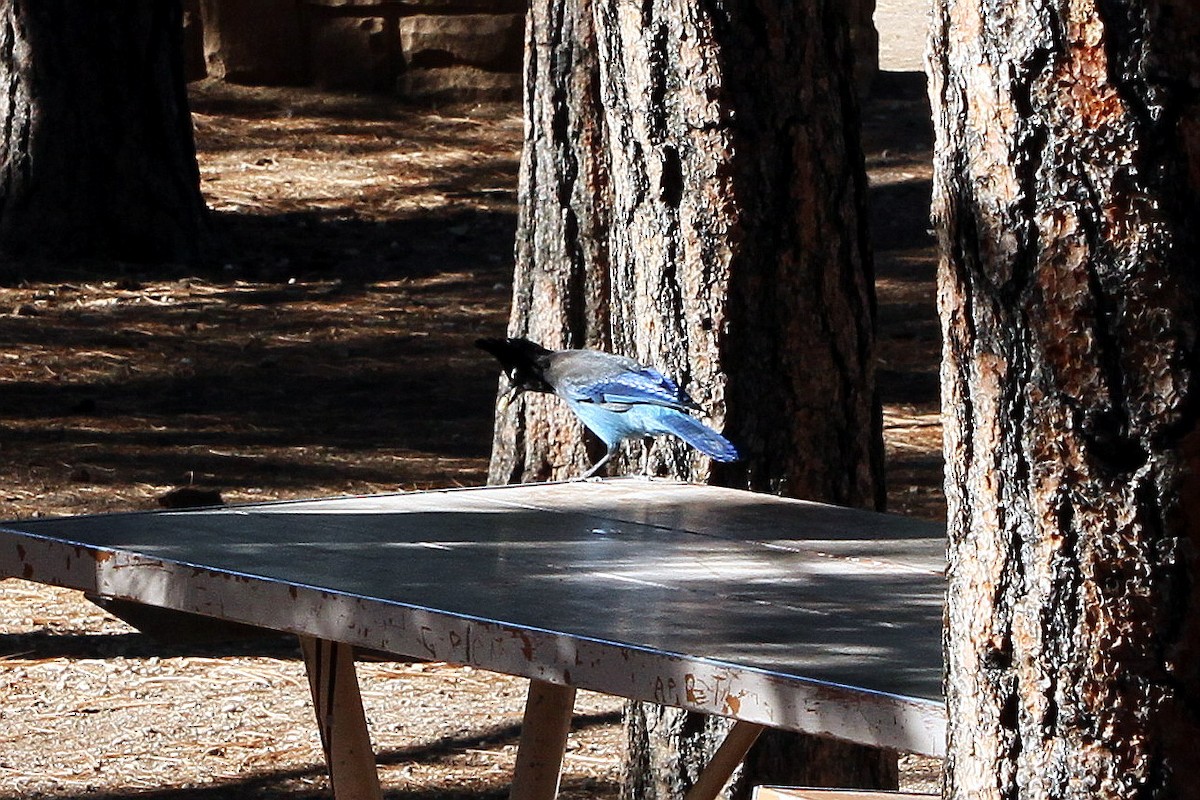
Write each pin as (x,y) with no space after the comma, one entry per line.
(800,347)
(747,277)
(561,287)
(1067,178)
(97,158)
(692,195)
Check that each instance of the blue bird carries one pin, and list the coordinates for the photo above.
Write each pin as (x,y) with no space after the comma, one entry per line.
(615,397)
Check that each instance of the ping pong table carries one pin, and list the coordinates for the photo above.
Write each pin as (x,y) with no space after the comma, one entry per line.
(774,612)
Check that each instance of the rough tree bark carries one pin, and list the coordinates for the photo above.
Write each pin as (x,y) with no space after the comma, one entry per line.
(1067,178)
(692,194)
(97,158)
(560,291)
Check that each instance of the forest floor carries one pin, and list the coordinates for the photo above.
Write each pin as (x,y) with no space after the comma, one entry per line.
(359,246)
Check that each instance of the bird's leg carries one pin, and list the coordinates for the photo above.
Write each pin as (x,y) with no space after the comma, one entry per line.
(647,443)
(598,464)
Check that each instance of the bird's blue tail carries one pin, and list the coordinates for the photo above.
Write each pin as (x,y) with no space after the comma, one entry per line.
(699,436)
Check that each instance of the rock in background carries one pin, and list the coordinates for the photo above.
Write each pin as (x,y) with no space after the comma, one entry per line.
(464,57)
(424,50)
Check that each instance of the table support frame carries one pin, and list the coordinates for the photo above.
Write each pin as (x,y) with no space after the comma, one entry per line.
(350,758)
(547,722)
(729,755)
(341,720)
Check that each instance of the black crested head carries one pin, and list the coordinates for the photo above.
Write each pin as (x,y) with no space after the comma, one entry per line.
(523,361)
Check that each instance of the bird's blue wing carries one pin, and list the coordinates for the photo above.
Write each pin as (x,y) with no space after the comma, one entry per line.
(644,385)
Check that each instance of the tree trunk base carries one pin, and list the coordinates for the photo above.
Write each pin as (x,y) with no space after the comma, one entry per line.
(669,749)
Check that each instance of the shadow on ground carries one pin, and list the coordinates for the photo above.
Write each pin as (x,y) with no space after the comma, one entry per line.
(309,781)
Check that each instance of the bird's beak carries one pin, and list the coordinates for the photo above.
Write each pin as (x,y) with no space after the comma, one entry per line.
(510,394)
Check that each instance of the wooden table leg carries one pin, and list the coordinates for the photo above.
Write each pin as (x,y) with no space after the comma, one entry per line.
(738,741)
(340,718)
(547,722)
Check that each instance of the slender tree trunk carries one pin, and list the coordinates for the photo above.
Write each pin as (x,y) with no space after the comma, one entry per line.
(692,195)
(1067,178)
(97,158)
(561,286)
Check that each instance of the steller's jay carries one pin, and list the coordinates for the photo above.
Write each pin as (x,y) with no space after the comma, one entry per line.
(615,397)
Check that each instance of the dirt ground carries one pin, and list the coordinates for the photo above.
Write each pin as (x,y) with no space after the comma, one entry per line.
(325,347)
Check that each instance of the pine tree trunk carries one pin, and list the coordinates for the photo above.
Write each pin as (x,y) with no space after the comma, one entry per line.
(692,194)
(748,278)
(97,158)
(1067,178)
(560,291)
